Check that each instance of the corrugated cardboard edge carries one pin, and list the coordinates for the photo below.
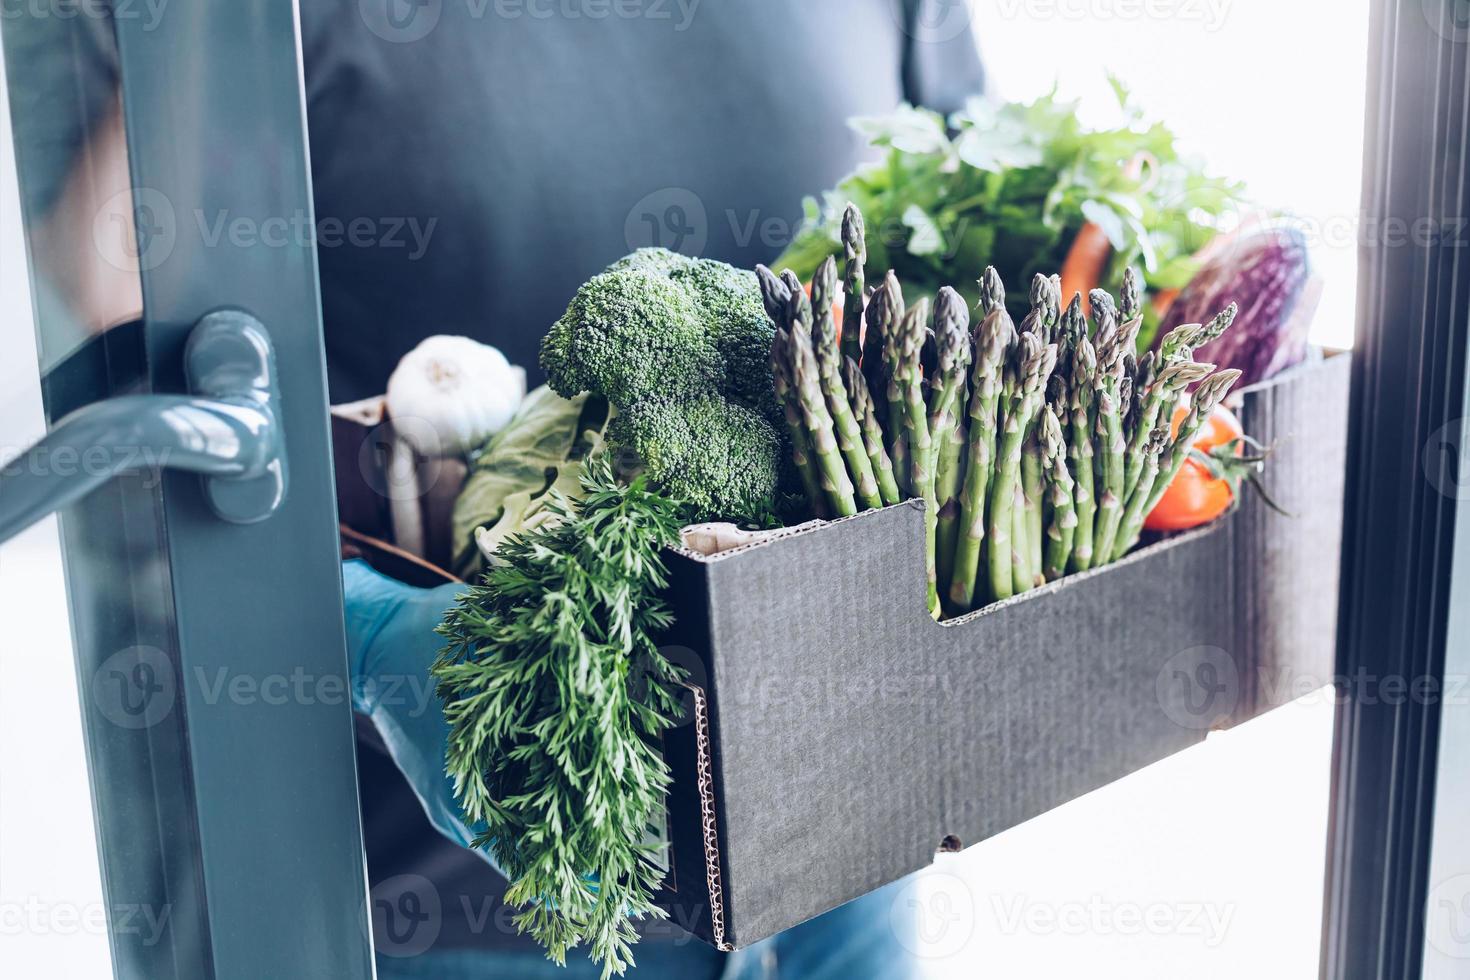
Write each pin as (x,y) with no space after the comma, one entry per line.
(709,819)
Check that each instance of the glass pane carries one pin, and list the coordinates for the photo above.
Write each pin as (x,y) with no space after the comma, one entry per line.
(77,213)
(50,880)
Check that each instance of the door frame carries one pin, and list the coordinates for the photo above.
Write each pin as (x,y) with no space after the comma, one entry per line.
(1404,631)
(250,770)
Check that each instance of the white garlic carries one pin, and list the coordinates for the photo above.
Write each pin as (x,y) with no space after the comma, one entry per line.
(449,394)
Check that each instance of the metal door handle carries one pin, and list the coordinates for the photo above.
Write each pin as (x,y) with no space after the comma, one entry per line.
(225,429)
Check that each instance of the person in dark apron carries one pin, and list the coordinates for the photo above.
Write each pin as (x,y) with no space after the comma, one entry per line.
(520,146)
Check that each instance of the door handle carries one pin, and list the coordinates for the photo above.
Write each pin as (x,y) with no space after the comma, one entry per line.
(226,429)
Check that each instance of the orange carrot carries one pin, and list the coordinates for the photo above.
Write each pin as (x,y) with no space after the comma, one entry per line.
(1086,260)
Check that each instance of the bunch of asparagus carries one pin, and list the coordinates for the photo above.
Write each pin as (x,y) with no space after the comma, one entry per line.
(1038,450)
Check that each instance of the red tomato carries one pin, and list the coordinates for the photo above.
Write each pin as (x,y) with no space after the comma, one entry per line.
(1196,497)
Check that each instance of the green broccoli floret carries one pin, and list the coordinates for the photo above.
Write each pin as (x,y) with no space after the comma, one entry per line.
(630,334)
(738,327)
(681,348)
(658,261)
(719,456)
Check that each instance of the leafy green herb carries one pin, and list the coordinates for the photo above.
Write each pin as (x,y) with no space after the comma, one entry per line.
(557,695)
(1010,186)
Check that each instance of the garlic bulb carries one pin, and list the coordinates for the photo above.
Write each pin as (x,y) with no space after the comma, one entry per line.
(449,394)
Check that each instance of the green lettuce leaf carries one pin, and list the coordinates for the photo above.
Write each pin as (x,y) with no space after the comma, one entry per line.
(512,476)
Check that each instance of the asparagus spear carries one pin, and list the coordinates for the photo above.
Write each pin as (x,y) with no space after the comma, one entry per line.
(1148,473)
(855,256)
(776,298)
(992,292)
(1080,451)
(1177,348)
(994,339)
(906,387)
(1052,308)
(1045,309)
(1023,575)
(1210,393)
(928,366)
(891,312)
(806,380)
(1062,527)
(824,295)
(1170,458)
(1111,446)
(867,418)
(799,311)
(952,327)
(1128,335)
(1041,320)
(1130,298)
(834,390)
(1033,486)
(1125,391)
(801,447)
(1218,324)
(875,319)
(1071,331)
(875,328)
(1161,394)
(1073,326)
(1180,343)
(1143,377)
(1033,362)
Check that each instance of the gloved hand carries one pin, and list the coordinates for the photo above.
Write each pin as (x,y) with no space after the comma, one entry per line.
(391,644)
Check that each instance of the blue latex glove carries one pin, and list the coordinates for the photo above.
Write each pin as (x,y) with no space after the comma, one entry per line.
(391,644)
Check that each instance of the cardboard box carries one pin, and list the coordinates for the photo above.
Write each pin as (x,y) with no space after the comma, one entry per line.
(837,736)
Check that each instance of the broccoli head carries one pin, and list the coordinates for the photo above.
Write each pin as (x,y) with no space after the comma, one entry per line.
(720,457)
(627,335)
(681,348)
(737,327)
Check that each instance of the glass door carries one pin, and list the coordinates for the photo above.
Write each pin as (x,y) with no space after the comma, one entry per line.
(161,184)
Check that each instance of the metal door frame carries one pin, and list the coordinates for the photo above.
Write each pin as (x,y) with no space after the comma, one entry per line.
(265,783)
(1404,632)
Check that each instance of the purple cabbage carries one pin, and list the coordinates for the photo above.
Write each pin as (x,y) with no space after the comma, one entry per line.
(1269,274)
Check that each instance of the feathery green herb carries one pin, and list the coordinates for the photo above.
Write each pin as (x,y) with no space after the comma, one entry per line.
(557,693)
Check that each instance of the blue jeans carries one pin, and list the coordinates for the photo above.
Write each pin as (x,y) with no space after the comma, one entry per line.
(858,940)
